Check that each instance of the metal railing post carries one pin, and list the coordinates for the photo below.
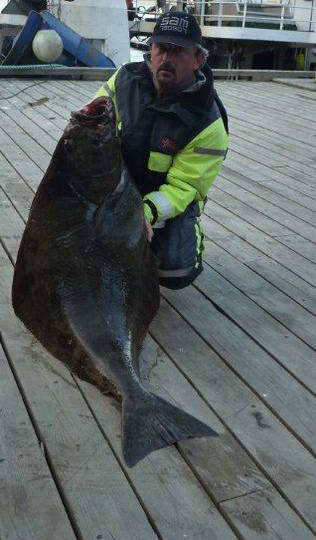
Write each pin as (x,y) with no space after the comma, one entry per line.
(311,17)
(282,16)
(244,14)
(220,13)
(202,13)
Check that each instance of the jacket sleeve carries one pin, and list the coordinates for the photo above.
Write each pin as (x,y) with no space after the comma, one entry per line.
(191,174)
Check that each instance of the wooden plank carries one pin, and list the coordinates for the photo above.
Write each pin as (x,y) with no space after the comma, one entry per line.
(264,243)
(263,119)
(258,515)
(292,353)
(29,146)
(70,99)
(14,158)
(265,216)
(29,501)
(274,101)
(294,150)
(291,191)
(86,89)
(293,106)
(287,95)
(11,226)
(295,318)
(36,116)
(262,104)
(13,114)
(263,192)
(276,451)
(298,175)
(48,110)
(273,159)
(300,181)
(262,174)
(274,273)
(17,193)
(95,490)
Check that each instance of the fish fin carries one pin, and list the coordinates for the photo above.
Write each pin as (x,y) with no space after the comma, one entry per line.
(155,424)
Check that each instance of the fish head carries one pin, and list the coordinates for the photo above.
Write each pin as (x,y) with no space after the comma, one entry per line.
(91,151)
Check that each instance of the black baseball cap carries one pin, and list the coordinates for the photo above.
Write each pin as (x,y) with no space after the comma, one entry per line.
(178,28)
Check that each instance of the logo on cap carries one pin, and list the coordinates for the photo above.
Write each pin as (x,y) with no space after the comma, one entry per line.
(176,24)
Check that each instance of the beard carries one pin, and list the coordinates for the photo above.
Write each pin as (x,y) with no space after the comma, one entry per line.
(167,86)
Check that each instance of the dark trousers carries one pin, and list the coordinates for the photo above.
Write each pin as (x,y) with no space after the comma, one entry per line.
(178,247)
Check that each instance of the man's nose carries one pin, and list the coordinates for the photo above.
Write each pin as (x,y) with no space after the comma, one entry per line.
(166,55)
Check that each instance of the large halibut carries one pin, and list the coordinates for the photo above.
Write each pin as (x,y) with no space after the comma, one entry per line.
(86,281)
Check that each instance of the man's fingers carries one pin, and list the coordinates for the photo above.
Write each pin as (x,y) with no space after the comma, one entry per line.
(150,232)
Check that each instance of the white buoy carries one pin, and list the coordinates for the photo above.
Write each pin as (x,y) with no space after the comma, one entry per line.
(47,45)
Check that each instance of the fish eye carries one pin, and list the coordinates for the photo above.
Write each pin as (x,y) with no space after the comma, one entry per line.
(67,146)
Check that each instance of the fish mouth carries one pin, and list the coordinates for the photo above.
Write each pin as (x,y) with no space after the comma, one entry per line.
(97,114)
(99,108)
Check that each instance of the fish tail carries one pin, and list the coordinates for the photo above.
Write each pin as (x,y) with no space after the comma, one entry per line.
(154,423)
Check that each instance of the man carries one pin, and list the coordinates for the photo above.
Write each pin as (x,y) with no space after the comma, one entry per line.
(174,137)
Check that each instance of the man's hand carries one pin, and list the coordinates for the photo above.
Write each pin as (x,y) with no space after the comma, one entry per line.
(150,232)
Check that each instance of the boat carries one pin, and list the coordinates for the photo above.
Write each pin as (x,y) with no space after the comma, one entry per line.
(243,34)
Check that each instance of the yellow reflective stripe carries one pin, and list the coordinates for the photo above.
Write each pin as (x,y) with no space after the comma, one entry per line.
(159,162)
(199,242)
(201,205)
(163,205)
(210,151)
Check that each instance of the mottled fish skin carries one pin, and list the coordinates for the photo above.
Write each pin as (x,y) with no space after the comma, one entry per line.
(86,281)
(84,260)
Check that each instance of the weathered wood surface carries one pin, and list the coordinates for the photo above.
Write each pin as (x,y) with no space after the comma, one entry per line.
(237,349)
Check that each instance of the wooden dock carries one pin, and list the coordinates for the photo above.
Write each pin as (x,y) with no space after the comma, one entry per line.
(237,349)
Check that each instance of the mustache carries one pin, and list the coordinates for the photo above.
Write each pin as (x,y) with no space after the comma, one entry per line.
(167,66)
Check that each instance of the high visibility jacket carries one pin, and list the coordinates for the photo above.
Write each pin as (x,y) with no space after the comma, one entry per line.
(173,147)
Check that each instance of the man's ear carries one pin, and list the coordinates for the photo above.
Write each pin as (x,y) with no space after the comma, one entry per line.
(199,58)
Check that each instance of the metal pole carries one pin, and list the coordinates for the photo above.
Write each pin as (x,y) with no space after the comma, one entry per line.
(220,13)
(244,14)
(202,12)
(282,17)
(311,17)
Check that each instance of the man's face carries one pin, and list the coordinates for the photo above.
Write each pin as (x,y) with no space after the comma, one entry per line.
(173,67)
